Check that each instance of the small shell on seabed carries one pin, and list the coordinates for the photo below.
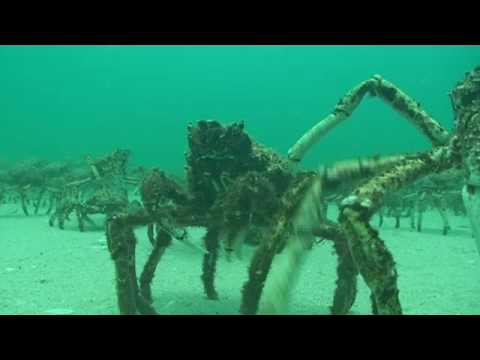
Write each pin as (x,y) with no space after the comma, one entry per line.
(59,311)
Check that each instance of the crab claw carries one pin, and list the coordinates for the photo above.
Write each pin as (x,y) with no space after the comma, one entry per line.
(471,199)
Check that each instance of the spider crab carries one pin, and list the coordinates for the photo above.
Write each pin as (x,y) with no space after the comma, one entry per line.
(437,191)
(101,190)
(461,149)
(29,182)
(239,189)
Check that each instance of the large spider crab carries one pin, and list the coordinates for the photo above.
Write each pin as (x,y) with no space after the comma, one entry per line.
(461,149)
(238,189)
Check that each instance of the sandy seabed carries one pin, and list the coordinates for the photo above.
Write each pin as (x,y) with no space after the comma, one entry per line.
(45,270)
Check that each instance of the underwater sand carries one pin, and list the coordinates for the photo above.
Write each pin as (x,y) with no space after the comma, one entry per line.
(45,270)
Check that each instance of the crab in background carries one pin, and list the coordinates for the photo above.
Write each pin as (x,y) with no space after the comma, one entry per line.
(437,192)
(29,182)
(102,189)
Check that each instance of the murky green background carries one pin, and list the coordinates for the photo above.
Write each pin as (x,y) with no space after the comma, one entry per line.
(61,102)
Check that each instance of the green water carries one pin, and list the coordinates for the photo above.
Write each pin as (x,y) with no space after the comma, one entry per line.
(61,102)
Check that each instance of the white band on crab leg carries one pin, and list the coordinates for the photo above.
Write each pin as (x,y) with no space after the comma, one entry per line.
(342,111)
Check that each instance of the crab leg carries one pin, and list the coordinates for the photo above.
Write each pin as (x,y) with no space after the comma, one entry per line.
(87,219)
(471,200)
(211,241)
(285,272)
(144,306)
(349,171)
(23,200)
(39,200)
(80,218)
(372,258)
(466,103)
(441,207)
(471,191)
(380,217)
(151,233)
(346,285)
(121,243)
(161,241)
(387,92)
(421,207)
(257,273)
(411,206)
(269,247)
(329,178)
(51,203)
